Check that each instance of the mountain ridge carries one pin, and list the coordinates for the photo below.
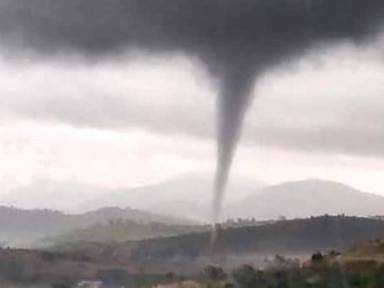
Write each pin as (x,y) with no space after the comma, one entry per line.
(305,198)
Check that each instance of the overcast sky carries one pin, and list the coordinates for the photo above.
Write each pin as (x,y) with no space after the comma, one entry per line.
(130,121)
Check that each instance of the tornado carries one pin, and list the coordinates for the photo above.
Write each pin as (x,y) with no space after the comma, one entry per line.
(232,103)
(235,40)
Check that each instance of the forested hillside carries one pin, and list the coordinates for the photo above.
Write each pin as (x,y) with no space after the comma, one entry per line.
(118,231)
(283,237)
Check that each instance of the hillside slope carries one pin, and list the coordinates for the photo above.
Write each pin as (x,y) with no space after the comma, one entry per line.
(120,231)
(24,228)
(284,237)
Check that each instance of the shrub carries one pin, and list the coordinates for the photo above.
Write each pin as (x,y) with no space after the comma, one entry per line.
(246,277)
(215,273)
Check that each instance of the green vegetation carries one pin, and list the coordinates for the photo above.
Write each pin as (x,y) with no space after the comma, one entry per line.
(318,274)
(120,230)
(302,236)
(332,270)
(39,228)
(169,261)
(321,271)
(41,269)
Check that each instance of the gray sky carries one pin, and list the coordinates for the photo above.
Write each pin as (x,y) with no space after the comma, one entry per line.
(152,119)
(129,119)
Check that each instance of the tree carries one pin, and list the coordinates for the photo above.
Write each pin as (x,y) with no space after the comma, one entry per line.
(317,258)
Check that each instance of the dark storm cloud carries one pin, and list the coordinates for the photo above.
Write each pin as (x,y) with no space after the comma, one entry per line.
(236,39)
(214,27)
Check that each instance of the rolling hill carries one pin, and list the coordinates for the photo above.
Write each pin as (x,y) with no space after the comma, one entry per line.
(120,231)
(302,236)
(25,228)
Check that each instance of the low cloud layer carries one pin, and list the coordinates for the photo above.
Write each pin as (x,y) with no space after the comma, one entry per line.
(334,105)
(164,97)
(331,103)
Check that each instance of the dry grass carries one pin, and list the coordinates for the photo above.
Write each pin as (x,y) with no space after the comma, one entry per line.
(369,252)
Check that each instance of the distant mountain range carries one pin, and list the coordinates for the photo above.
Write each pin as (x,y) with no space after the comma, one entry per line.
(174,197)
(65,196)
(191,198)
(26,228)
(179,199)
(307,198)
(299,199)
